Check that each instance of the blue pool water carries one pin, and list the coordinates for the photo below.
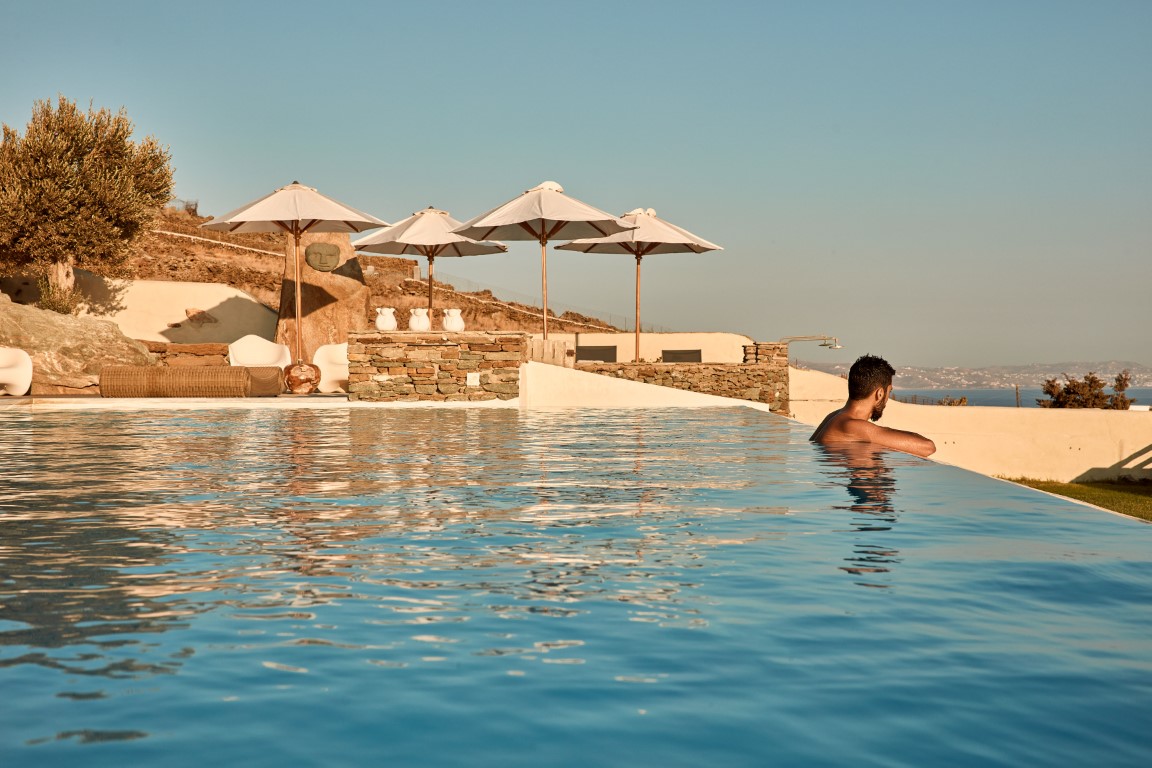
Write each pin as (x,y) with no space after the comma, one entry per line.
(567,588)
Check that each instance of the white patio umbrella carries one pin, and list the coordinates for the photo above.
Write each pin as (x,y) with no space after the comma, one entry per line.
(426,233)
(295,209)
(650,234)
(542,213)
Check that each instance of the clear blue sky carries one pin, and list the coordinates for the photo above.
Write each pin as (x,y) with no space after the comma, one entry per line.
(942,183)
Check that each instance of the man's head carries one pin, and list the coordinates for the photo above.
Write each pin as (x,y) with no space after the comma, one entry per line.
(867,375)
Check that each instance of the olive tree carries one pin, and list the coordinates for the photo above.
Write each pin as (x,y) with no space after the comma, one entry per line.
(75,191)
(1086,393)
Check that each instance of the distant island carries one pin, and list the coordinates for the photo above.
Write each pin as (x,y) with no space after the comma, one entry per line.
(1030,376)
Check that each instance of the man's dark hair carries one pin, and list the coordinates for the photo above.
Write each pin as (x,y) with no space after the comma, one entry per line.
(868,374)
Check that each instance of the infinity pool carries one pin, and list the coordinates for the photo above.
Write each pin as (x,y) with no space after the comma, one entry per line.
(566,588)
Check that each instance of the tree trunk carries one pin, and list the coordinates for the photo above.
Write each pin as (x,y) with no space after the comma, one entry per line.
(61,277)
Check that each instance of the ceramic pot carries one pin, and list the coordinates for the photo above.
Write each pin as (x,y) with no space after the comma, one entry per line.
(385,319)
(302,378)
(452,321)
(418,320)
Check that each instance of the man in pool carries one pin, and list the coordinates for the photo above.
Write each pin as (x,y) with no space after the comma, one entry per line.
(869,387)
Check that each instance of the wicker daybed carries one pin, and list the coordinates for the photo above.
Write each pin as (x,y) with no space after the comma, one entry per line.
(199,381)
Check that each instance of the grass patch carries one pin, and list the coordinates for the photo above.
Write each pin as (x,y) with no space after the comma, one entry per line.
(1128,497)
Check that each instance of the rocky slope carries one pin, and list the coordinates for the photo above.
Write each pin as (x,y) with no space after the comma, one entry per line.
(179,250)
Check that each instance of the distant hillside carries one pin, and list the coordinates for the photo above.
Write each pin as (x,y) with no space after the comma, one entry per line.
(180,250)
(992,377)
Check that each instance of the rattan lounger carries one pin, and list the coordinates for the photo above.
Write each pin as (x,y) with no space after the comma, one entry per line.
(208,381)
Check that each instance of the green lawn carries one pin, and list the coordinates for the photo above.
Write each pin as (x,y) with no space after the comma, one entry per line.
(1128,498)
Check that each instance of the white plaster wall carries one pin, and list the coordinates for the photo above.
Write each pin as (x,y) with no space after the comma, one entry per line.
(1060,444)
(157,310)
(714,347)
(550,386)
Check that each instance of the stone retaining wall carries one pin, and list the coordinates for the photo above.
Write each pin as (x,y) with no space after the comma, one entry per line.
(759,382)
(406,366)
(188,355)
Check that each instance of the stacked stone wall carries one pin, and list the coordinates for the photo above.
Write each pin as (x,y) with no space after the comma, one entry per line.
(404,366)
(758,382)
(187,355)
(770,352)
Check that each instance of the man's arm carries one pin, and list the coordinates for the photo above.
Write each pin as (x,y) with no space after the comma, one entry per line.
(909,442)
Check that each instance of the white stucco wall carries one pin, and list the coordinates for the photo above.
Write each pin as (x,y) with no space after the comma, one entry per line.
(714,347)
(550,386)
(157,310)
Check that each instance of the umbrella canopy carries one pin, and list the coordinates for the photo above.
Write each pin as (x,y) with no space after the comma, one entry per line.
(650,234)
(543,213)
(295,209)
(426,233)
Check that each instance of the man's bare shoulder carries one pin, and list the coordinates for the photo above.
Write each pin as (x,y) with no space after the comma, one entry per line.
(841,427)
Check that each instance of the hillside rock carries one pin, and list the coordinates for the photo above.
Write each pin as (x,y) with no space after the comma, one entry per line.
(180,250)
(67,352)
(333,303)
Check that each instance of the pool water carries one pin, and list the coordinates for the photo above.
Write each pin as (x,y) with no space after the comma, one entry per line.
(560,588)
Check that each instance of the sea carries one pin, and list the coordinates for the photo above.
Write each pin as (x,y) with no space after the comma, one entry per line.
(1001,396)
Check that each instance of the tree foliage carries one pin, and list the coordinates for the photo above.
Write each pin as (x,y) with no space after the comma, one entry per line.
(75,190)
(1086,393)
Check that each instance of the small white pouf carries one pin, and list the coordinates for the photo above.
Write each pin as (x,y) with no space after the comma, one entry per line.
(15,371)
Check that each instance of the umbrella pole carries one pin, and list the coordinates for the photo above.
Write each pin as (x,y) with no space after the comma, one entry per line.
(544,281)
(636,359)
(431,270)
(298,291)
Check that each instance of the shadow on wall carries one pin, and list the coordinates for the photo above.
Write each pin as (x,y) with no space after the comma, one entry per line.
(223,323)
(1137,466)
(101,297)
(158,310)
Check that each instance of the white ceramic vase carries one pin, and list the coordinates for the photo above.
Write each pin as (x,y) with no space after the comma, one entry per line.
(452,321)
(385,318)
(418,319)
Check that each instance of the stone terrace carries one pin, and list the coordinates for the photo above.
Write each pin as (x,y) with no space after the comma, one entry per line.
(405,366)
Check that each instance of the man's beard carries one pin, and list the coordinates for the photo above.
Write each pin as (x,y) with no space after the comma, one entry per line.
(878,411)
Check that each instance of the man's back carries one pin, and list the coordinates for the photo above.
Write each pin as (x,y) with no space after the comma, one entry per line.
(842,426)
